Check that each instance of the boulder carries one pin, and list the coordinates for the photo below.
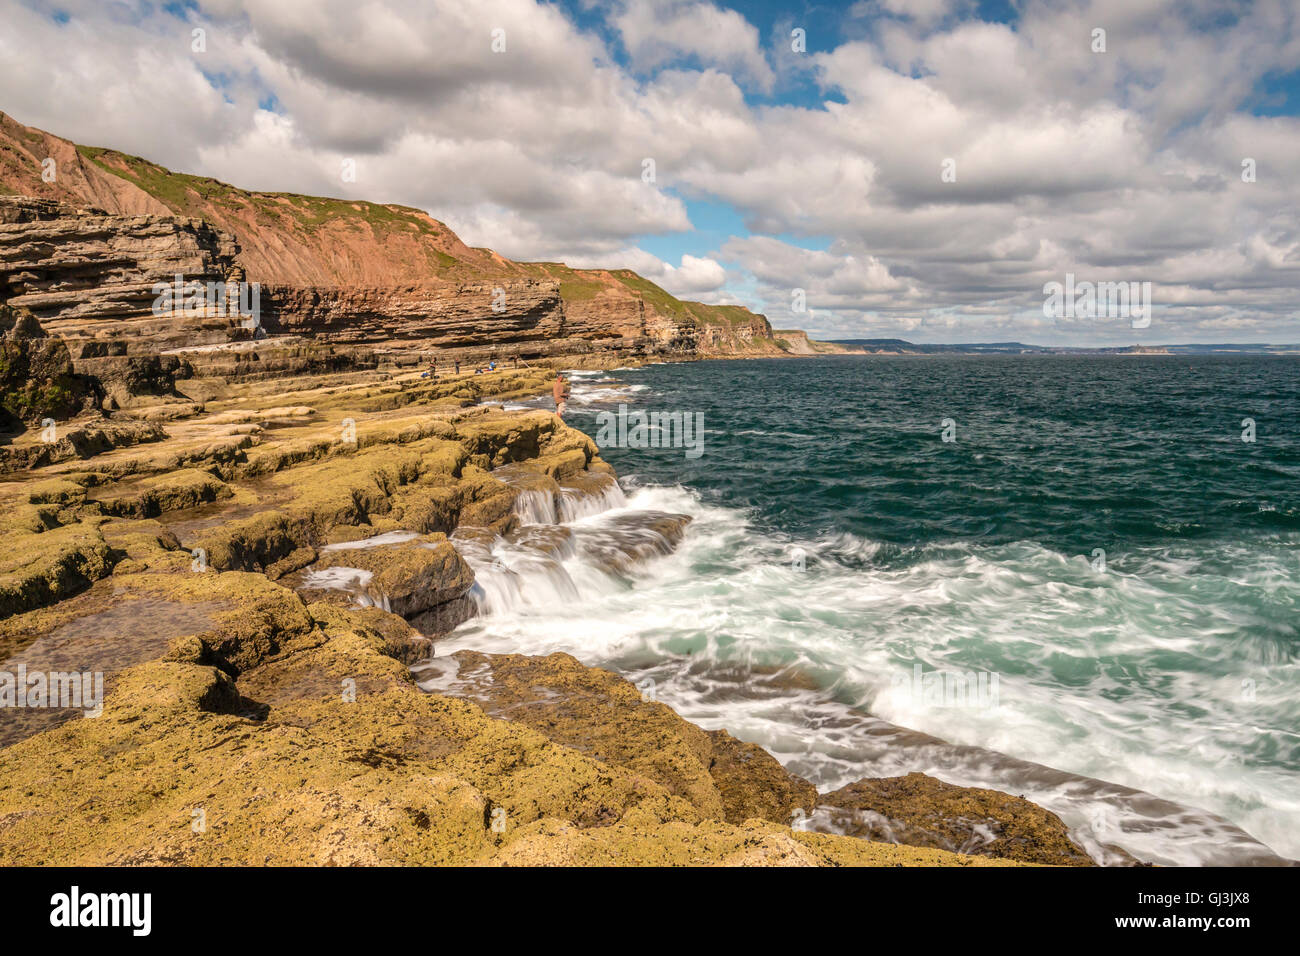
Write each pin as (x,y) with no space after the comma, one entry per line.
(36,376)
(409,577)
(918,810)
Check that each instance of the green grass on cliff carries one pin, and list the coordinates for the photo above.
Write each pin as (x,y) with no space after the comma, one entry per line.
(574,286)
(581,286)
(197,196)
(315,210)
(682,310)
(730,315)
(171,189)
(187,195)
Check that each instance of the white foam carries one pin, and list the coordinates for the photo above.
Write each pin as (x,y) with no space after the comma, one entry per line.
(388,537)
(535,507)
(338,579)
(355,581)
(576,505)
(1063,639)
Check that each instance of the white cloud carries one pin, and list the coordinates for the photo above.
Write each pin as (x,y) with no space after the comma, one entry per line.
(695,278)
(1124,165)
(658,32)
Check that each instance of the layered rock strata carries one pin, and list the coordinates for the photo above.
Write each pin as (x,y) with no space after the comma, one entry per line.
(251,535)
(82,252)
(286,718)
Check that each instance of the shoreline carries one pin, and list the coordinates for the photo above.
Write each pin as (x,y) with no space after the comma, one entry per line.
(741,551)
(225,670)
(265,483)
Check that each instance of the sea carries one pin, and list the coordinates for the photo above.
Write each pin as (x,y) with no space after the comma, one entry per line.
(1072,578)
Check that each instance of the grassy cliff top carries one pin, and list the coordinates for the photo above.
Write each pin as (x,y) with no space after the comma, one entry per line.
(295,239)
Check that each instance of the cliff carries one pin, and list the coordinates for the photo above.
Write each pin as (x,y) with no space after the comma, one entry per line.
(250,537)
(334,270)
(797,342)
(89,276)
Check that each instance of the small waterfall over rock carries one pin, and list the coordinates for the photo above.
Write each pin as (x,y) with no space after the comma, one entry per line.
(374,541)
(514,573)
(355,581)
(535,507)
(539,500)
(593,495)
(567,547)
(576,541)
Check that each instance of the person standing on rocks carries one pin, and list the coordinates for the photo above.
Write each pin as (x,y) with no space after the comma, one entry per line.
(560,392)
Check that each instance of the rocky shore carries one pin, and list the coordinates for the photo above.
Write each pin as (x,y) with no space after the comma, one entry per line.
(254,715)
(233,542)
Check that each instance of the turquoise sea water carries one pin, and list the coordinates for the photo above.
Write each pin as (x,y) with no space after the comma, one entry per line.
(1097,546)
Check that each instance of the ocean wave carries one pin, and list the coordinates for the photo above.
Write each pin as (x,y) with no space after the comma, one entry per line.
(1132,673)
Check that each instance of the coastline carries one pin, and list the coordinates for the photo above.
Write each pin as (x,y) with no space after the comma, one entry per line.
(251,707)
(239,530)
(895,578)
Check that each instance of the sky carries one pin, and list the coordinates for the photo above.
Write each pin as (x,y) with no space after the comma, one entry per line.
(920,169)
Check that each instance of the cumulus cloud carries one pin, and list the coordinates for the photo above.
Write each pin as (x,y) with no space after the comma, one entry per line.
(657,32)
(950,170)
(695,277)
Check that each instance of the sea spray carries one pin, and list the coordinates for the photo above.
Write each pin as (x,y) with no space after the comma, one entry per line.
(706,624)
(1156,669)
(535,507)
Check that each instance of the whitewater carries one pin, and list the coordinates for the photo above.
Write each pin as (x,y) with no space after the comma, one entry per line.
(1148,696)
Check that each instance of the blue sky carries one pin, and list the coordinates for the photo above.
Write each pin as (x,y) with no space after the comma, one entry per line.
(922,170)
(1274,94)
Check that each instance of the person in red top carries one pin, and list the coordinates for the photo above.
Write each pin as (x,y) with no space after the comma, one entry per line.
(560,392)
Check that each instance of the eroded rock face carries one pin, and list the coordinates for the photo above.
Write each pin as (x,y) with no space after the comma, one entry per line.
(529,313)
(409,577)
(918,810)
(41,565)
(606,716)
(339,271)
(315,748)
(89,276)
(36,375)
(78,439)
(754,784)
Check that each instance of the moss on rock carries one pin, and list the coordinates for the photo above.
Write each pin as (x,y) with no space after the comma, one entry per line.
(608,717)
(37,569)
(153,496)
(408,577)
(921,811)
